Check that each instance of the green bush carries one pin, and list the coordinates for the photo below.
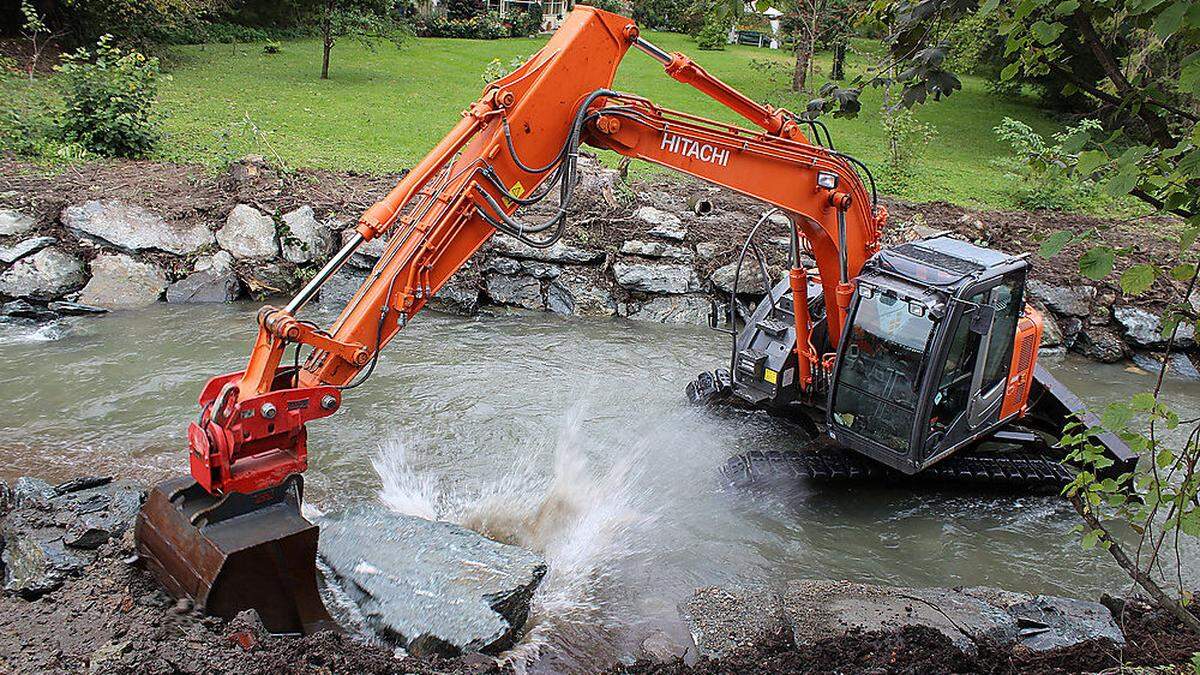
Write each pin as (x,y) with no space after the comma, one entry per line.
(109,97)
(613,6)
(907,137)
(676,16)
(714,35)
(1040,170)
(463,10)
(483,27)
(526,23)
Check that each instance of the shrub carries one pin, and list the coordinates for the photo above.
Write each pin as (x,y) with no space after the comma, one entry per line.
(29,120)
(463,10)
(677,16)
(272,47)
(109,100)
(714,34)
(613,6)
(907,138)
(484,27)
(526,23)
(1041,170)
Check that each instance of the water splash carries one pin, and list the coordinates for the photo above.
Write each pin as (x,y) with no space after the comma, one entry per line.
(15,333)
(583,519)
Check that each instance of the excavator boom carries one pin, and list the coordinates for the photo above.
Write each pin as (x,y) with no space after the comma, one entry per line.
(513,146)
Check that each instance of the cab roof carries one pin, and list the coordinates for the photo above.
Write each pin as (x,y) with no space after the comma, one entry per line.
(943,261)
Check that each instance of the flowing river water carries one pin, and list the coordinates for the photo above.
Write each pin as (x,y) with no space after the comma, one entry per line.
(571,437)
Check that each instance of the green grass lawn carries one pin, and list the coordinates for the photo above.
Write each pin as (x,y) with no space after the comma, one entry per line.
(383,109)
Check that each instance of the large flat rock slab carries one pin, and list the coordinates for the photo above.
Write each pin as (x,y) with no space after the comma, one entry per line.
(819,609)
(723,619)
(432,587)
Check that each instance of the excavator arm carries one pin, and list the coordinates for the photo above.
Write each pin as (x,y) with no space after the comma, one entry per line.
(519,141)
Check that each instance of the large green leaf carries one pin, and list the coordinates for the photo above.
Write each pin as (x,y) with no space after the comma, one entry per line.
(1097,263)
(1054,244)
(1137,279)
(1075,142)
(1122,182)
(1188,237)
(1183,271)
(1089,161)
(1046,33)
(1169,19)
(1143,401)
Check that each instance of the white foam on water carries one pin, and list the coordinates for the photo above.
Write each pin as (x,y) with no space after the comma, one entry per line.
(15,334)
(583,519)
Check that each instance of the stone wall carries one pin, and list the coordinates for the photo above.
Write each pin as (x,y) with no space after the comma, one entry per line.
(642,252)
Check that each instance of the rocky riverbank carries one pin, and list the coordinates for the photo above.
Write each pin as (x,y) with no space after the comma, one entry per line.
(75,599)
(119,235)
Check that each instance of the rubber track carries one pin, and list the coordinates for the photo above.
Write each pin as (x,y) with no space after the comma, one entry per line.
(833,464)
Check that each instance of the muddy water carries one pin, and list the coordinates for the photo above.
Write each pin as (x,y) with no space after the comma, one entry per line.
(571,437)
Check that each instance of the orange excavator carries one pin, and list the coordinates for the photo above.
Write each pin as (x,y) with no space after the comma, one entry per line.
(907,357)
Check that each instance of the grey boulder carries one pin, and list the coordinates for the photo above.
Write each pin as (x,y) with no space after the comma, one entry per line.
(249,234)
(25,247)
(721,619)
(432,587)
(656,249)
(1066,301)
(749,282)
(48,274)
(133,228)
(1144,328)
(305,239)
(120,282)
(52,533)
(459,295)
(817,609)
(13,222)
(221,261)
(23,309)
(205,286)
(517,291)
(661,223)
(560,252)
(270,278)
(579,294)
(679,309)
(675,279)
(341,287)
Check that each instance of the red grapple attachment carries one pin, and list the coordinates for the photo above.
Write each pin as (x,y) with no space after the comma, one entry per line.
(236,552)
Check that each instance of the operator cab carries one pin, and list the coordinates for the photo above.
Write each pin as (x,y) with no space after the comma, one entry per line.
(925,365)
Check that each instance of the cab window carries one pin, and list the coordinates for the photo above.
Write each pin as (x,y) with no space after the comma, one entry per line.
(954,388)
(1006,300)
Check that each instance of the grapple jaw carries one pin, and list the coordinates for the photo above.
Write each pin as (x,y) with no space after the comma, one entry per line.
(235,552)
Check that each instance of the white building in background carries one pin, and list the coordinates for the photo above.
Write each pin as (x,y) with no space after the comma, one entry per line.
(553,11)
(737,37)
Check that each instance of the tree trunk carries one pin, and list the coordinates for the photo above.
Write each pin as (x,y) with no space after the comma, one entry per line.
(838,71)
(325,60)
(800,74)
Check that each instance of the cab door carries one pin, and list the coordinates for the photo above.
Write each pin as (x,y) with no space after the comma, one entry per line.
(966,397)
(1006,300)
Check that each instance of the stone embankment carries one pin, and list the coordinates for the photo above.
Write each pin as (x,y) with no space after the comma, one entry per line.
(656,251)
